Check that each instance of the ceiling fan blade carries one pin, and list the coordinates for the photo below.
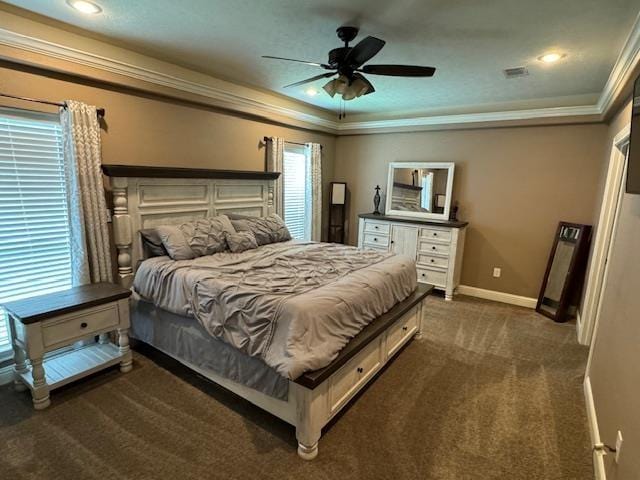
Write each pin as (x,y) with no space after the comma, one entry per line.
(364,51)
(399,70)
(312,79)
(315,64)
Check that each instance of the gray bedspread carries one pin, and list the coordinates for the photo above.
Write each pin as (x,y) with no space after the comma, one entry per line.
(294,304)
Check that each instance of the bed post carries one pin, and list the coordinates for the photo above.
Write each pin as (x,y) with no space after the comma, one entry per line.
(311,415)
(122,230)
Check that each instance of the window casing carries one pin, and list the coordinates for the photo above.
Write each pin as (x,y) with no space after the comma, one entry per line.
(35,249)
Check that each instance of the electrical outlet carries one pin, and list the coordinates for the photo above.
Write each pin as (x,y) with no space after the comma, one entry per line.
(497,272)
(618,445)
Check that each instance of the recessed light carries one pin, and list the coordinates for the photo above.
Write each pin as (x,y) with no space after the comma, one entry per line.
(312,92)
(551,57)
(83,6)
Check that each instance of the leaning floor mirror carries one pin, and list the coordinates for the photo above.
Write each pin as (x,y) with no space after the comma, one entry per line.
(565,271)
(420,189)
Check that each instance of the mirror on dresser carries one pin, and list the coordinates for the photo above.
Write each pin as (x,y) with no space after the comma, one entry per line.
(420,189)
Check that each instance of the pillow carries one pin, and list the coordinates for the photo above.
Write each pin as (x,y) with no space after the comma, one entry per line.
(204,236)
(267,230)
(152,243)
(241,241)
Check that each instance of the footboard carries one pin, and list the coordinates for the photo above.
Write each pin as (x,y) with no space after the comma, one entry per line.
(321,394)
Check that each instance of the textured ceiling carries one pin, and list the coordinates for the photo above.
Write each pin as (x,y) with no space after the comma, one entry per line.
(469,41)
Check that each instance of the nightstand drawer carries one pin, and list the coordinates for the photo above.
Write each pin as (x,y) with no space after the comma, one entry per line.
(75,326)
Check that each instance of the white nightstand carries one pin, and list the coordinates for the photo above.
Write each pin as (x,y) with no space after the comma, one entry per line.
(51,322)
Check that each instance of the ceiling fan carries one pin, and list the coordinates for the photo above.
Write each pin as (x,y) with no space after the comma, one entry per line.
(349,64)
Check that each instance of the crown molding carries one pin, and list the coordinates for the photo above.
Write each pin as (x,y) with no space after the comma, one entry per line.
(239,103)
(627,61)
(624,67)
(590,112)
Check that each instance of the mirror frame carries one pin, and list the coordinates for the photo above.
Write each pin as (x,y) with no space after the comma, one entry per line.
(450,166)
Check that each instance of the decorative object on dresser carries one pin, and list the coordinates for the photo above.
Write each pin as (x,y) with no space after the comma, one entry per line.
(51,322)
(564,277)
(337,211)
(376,201)
(436,246)
(420,189)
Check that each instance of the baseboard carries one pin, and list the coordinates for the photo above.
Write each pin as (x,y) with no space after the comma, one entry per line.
(594,431)
(498,296)
(6,375)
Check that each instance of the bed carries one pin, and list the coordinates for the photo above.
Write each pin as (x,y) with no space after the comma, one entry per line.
(296,328)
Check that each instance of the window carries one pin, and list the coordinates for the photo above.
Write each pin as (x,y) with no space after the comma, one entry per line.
(35,251)
(296,192)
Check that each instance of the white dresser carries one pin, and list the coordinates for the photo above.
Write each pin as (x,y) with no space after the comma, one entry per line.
(437,246)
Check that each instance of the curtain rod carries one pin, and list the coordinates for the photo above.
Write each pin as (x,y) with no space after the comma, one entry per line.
(101,112)
(268,139)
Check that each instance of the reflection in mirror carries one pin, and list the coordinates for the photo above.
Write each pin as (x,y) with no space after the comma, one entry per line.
(419,189)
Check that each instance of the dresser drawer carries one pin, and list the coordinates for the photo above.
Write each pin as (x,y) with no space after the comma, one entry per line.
(432,248)
(346,382)
(400,332)
(72,327)
(436,234)
(376,239)
(377,227)
(437,278)
(432,261)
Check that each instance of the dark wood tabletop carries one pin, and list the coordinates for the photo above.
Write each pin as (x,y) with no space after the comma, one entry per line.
(420,221)
(43,307)
(312,379)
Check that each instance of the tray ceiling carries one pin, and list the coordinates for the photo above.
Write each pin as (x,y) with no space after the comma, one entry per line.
(469,42)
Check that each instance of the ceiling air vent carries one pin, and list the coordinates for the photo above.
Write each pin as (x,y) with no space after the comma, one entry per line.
(516,72)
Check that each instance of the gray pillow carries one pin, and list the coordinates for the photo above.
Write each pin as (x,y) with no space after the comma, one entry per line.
(204,236)
(241,241)
(152,243)
(267,230)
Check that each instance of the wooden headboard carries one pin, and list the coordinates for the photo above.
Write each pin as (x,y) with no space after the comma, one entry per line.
(145,197)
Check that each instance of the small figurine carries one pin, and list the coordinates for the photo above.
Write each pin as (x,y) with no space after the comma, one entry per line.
(376,201)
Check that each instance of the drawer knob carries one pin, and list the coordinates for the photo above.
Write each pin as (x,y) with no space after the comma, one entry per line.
(405,328)
(424,274)
(376,227)
(83,325)
(360,370)
(375,239)
(392,241)
(433,248)
(435,234)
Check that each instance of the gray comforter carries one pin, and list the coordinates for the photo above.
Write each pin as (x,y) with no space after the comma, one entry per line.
(294,304)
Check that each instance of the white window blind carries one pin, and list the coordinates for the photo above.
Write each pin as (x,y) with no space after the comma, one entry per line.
(34,219)
(296,216)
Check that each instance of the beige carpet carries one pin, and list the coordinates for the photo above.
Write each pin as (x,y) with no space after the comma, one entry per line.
(491,392)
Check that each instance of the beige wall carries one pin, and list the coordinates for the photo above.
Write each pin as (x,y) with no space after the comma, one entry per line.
(513,185)
(615,365)
(145,130)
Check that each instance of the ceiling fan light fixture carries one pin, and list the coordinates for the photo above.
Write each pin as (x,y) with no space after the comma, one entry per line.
(330,88)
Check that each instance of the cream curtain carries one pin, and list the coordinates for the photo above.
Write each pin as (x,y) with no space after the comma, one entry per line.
(91,255)
(314,187)
(275,160)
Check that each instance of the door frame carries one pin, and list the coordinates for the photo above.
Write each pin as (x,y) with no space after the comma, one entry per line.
(596,276)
